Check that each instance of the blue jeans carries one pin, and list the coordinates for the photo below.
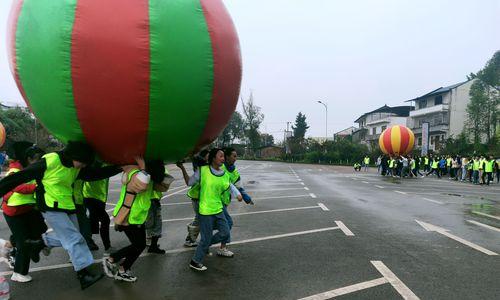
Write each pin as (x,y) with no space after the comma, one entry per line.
(67,235)
(207,226)
(229,223)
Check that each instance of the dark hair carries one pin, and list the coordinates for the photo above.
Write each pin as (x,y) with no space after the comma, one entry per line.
(156,168)
(79,151)
(228,151)
(32,153)
(212,154)
(203,153)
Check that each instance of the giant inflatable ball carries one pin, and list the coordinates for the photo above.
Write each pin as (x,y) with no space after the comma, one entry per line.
(157,78)
(397,140)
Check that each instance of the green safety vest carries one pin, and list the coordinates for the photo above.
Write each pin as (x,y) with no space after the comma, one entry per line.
(17,199)
(212,189)
(413,165)
(391,163)
(475,165)
(140,207)
(489,166)
(233,177)
(78,192)
(194,192)
(96,189)
(435,164)
(367,160)
(426,161)
(448,162)
(58,183)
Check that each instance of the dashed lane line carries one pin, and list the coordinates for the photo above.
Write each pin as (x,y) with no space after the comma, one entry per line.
(399,192)
(344,228)
(323,207)
(484,225)
(312,195)
(380,187)
(306,188)
(485,215)
(433,201)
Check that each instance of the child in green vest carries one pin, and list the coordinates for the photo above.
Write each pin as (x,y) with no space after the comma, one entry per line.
(214,182)
(131,213)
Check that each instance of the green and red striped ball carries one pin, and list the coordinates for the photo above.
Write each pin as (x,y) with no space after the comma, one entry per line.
(397,140)
(157,78)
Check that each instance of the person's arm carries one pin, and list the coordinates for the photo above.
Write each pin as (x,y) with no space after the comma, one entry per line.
(34,171)
(94,174)
(27,188)
(184,172)
(235,192)
(195,178)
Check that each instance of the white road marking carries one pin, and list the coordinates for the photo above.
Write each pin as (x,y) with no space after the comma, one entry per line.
(180,250)
(179,191)
(299,179)
(400,287)
(320,170)
(252,212)
(399,192)
(312,195)
(430,227)
(302,183)
(283,197)
(306,188)
(111,209)
(379,186)
(486,215)
(111,204)
(347,290)
(365,182)
(388,277)
(434,201)
(484,225)
(274,190)
(344,228)
(323,207)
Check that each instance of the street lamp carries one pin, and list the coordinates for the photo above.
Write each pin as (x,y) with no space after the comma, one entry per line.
(326,125)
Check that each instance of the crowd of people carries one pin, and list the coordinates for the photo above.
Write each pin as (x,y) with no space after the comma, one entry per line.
(68,190)
(477,169)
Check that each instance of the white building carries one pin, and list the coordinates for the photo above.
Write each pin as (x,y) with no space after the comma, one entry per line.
(344,133)
(373,123)
(445,109)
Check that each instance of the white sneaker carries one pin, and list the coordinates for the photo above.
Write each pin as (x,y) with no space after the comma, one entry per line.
(20,278)
(224,252)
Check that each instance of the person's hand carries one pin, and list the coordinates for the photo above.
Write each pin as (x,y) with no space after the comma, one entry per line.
(140,162)
(240,198)
(128,168)
(136,186)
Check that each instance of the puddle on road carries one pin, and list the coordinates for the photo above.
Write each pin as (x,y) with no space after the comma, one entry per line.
(487,208)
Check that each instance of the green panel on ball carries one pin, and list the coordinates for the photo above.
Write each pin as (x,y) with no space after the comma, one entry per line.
(43,55)
(181,77)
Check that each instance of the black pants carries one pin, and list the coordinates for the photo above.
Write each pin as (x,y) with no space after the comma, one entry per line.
(26,226)
(434,171)
(99,216)
(137,237)
(490,177)
(83,222)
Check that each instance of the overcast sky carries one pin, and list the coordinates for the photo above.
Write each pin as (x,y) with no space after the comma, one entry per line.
(354,55)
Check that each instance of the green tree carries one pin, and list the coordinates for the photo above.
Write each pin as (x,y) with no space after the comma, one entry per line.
(233,131)
(300,127)
(267,139)
(20,125)
(483,110)
(252,120)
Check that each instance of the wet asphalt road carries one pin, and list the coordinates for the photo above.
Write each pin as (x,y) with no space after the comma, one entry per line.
(314,229)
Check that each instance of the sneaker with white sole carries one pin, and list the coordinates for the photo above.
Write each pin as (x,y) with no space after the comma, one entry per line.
(125,276)
(197,266)
(110,269)
(224,252)
(189,243)
(20,278)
